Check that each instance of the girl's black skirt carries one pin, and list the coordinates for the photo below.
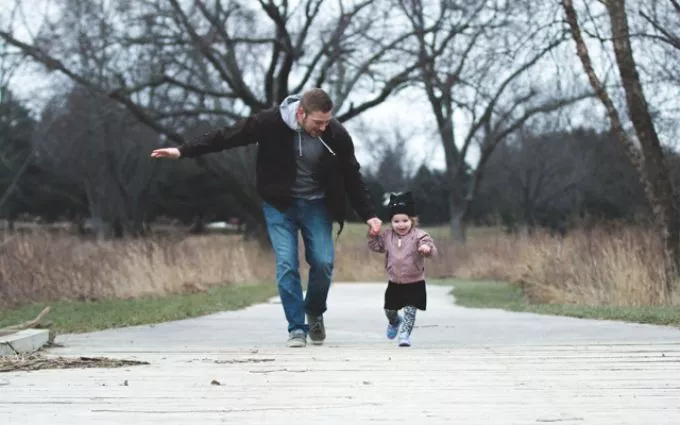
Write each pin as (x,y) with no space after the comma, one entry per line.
(399,295)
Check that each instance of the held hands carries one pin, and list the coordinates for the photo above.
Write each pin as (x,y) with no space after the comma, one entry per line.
(171,153)
(424,250)
(374,226)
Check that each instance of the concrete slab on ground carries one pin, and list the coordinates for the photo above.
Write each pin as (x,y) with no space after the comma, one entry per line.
(24,341)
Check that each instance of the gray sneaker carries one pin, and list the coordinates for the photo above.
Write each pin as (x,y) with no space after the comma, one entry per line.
(317,331)
(297,339)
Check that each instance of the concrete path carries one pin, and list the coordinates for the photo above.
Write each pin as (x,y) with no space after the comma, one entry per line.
(466,366)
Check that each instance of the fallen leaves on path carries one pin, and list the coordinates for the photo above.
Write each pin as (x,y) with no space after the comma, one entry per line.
(38,362)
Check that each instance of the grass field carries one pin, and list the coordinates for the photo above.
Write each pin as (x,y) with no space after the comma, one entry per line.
(486,294)
(84,316)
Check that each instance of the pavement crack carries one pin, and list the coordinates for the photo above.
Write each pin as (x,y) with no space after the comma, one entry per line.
(255,409)
(244,361)
(280,370)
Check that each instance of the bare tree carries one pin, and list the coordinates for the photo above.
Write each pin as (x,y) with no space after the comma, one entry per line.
(393,164)
(655,38)
(545,173)
(173,64)
(97,145)
(649,158)
(12,122)
(475,64)
(664,17)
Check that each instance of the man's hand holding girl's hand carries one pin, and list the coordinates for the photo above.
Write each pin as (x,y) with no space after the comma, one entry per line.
(374,226)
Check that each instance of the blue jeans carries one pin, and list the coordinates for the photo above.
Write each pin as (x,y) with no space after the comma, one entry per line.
(311,218)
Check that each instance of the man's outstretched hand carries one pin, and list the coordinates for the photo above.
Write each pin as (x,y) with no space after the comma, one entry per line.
(374,226)
(171,153)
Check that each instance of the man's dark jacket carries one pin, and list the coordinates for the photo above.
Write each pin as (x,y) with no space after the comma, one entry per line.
(276,165)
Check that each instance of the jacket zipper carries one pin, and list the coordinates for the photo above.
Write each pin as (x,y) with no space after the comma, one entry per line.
(399,272)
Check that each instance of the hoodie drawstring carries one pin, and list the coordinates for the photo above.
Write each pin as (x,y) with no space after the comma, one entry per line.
(320,139)
(299,144)
(327,147)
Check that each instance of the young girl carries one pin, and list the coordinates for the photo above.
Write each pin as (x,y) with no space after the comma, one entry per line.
(405,247)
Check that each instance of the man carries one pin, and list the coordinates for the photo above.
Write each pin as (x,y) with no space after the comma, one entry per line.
(305,171)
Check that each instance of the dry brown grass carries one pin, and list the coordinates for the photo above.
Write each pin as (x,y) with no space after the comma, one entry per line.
(621,266)
(596,267)
(43,266)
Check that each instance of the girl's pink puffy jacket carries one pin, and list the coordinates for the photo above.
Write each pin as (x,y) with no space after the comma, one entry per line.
(403,262)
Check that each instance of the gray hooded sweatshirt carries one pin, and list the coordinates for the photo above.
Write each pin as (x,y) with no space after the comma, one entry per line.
(308,152)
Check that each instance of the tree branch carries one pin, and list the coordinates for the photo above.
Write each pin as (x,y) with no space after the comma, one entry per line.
(202,45)
(489,110)
(392,85)
(8,330)
(279,84)
(612,112)
(197,112)
(199,90)
(668,37)
(330,48)
(544,108)
(676,5)
(233,77)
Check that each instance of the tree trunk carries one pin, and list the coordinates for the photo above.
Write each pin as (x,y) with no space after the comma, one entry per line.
(458,228)
(198,225)
(137,227)
(257,231)
(458,208)
(651,166)
(529,218)
(78,224)
(118,228)
(100,228)
(662,201)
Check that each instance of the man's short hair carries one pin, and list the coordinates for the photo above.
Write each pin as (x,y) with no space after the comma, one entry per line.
(316,100)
